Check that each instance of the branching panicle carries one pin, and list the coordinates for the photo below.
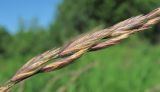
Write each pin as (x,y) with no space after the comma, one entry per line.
(86,43)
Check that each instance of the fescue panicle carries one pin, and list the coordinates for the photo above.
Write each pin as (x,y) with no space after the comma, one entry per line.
(86,43)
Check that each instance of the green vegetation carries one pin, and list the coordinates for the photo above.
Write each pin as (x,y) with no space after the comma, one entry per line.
(127,67)
(131,66)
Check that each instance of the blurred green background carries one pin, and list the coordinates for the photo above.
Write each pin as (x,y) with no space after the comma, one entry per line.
(131,66)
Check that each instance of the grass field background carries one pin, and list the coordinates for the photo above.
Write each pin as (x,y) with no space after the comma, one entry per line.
(127,67)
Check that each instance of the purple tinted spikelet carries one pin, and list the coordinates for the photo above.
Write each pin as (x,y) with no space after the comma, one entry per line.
(86,43)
